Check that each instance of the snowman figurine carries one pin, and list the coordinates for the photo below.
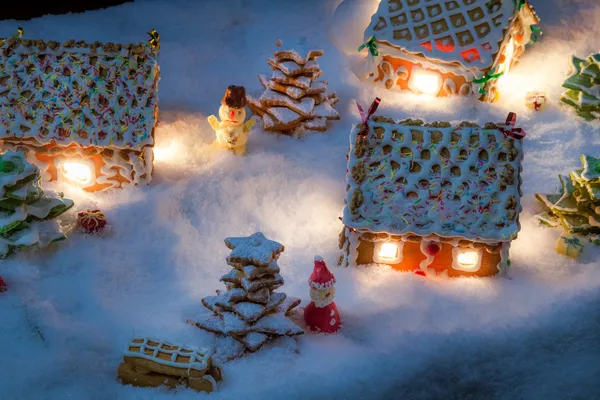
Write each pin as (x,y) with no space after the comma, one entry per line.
(232,132)
(321,315)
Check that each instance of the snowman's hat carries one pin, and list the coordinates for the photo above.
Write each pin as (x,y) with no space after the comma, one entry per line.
(321,276)
(235,97)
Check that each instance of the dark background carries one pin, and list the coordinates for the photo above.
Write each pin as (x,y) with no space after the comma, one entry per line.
(23,10)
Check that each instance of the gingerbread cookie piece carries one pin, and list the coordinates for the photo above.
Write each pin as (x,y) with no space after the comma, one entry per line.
(256,249)
(292,91)
(318,124)
(301,57)
(257,284)
(300,81)
(252,341)
(152,362)
(281,118)
(254,272)
(276,99)
(324,110)
(291,68)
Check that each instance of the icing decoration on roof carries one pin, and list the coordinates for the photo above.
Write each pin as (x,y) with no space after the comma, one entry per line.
(96,94)
(470,31)
(435,179)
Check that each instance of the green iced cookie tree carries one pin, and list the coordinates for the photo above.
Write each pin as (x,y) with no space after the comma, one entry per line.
(26,212)
(584,87)
(577,206)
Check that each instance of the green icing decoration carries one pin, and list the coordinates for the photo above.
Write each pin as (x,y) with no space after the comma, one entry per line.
(577,207)
(583,87)
(27,214)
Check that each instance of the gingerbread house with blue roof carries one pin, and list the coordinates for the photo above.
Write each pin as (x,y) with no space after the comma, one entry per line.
(432,197)
(83,112)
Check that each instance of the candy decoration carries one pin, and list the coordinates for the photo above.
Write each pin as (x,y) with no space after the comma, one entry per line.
(91,221)
(371,45)
(536,101)
(432,249)
(3,286)
(419,272)
(515,133)
(535,31)
(569,246)
(364,131)
(486,78)
(154,39)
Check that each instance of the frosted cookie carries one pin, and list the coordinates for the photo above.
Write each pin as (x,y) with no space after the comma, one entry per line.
(249,312)
(292,91)
(325,110)
(277,324)
(276,99)
(300,81)
(318,124)
(281,118)
(255,105)
(261,296)
(254,272)
(252,341)
(270,282)
(291,68)
(255,249)
(234,276)
(299,57)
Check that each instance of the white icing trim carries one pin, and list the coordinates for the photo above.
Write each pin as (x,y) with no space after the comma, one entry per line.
(457,251)
(429,260)
(199,358)
(504,253)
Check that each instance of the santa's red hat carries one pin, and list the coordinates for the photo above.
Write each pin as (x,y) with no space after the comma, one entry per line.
(321,276)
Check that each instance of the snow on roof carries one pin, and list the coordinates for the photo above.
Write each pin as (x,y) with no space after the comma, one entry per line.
(410,178)
(466,31)
(96,94)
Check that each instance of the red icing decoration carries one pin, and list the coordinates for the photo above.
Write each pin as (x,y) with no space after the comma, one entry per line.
(91,221)
(486,46)
(447,48)
(427,45)
(3,287)
(324,320)
(432,249)
(471,55)
(419,272)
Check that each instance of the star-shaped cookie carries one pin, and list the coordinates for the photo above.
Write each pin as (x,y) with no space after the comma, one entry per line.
(255,250)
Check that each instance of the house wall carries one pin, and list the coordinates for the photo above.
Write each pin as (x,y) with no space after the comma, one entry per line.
(112,167)
(412,258)
(395,72)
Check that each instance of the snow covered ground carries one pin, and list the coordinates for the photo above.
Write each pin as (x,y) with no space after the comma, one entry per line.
(69,314)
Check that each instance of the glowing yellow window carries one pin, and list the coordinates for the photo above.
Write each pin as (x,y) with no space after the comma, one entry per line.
(387,252)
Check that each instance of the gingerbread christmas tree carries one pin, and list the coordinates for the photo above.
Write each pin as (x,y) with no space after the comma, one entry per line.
(577,205)
(27,214)
(250,311)
(584,87)
(294,101)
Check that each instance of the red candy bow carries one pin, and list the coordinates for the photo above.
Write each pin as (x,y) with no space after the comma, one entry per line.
(91,221)
(364,131)
(515,133)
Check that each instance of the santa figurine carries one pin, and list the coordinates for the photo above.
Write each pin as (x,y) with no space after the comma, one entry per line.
(232,131)
(321,315)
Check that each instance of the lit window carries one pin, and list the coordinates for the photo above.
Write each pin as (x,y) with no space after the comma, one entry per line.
(468,260)
(425,81)
(78,171)
(387,252)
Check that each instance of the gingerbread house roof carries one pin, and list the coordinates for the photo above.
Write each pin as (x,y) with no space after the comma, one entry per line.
(468,32)
(102,95)
(454,182)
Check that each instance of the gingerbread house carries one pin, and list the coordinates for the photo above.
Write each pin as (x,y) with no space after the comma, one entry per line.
(449,47)
(431,197)
(83,112)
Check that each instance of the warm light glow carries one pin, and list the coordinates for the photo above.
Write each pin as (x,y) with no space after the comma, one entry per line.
(387,253)
(468,260)
(388,250)
(509,53)
(425,81)
(165,153)
(77,172)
